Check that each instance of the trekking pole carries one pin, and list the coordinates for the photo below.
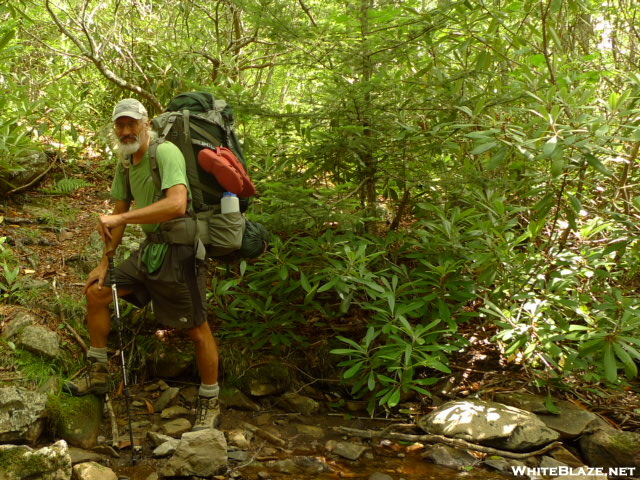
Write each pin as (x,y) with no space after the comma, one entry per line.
(118,324)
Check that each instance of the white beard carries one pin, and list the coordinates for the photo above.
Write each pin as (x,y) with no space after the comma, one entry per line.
(127,149)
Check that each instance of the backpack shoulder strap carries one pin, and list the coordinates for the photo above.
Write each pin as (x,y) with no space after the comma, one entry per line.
(155,170)
(153,162)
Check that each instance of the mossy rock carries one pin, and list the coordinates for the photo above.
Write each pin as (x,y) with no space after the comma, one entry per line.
(76,419)
(19,461)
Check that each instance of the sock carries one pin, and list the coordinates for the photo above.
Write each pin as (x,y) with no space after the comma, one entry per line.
(209,391)
(98,354)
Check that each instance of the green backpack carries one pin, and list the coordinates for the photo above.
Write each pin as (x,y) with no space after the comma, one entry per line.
(195,121)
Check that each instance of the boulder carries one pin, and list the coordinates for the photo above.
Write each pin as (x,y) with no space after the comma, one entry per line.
(449,457)
(569,420)
(76,419)
(166,398)
(299,464)
(93,471)
(348,450)
(29,167)
(295,403)
(271,378)
(49,463)
(201,454)
(20,320)
(172,361)
(610,448)
(232,397)
(39,340)
(489,423)
(22,415)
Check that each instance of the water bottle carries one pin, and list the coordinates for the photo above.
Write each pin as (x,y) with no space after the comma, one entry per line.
(229,203)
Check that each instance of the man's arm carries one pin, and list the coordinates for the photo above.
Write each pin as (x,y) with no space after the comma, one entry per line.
(99,274)
(173,205)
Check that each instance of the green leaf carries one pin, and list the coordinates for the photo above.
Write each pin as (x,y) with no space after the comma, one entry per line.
(609,363)
(550,146)
(483,147)
(304,283)
(551,406)
(597,164)
(557,167)
(6,38)
(630,368)
(394,399)
(353,370)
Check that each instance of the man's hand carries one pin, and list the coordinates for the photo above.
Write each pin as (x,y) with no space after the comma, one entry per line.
(106,223)
(98,275)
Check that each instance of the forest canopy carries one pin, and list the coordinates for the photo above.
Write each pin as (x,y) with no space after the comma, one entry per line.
(434,172)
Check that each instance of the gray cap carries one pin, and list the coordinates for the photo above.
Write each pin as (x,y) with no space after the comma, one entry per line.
(129,107)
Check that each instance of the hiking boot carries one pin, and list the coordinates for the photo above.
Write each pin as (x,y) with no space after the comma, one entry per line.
(207,413)
(93,379)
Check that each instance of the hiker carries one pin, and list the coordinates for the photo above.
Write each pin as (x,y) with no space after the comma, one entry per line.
(170,275)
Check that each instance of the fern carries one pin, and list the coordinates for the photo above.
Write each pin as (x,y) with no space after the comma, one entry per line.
(65,186)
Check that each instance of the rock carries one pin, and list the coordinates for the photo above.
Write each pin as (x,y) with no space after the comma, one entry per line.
(231,397)
(238,456)
(300,464)
(29,167)
(577,476)
(174,412)
(295,403)
(609,448)
(238,438)
(39,340)
(172,362)
(175,428)
(271,378)
(380,476)
(48,463)
(166,398)
(93,471)
(17,323)
(22,415)
(348,450)
(489,423)
(570,421)
(311,430)
(77,419)
(80,455)
(449,457)
(566,457)
(503,464)
(158,439)
(166,449)
(550,462)
(202,454)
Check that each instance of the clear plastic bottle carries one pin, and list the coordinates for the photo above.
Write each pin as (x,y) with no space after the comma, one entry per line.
(229,203)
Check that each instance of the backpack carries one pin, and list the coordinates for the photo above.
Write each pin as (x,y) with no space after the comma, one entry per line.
(202,128)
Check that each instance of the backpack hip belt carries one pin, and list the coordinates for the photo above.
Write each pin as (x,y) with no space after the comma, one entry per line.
(180,231)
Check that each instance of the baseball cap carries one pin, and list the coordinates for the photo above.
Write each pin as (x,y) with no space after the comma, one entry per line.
(129,107)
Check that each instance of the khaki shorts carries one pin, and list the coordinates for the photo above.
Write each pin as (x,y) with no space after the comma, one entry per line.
(176,290)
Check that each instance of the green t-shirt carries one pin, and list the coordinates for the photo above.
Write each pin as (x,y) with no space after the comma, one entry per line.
(144,192)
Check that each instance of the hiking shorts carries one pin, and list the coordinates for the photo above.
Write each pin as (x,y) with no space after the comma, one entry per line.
(176,291)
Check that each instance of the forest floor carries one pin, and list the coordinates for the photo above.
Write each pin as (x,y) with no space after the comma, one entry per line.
(48,233)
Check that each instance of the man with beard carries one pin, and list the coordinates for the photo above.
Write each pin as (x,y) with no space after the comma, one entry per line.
(171,276)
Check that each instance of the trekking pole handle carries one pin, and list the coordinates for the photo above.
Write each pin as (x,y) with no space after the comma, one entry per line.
(110,277)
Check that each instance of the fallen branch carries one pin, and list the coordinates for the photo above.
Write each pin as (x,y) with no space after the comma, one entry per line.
(454,442)
(115,436)
(264,434)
